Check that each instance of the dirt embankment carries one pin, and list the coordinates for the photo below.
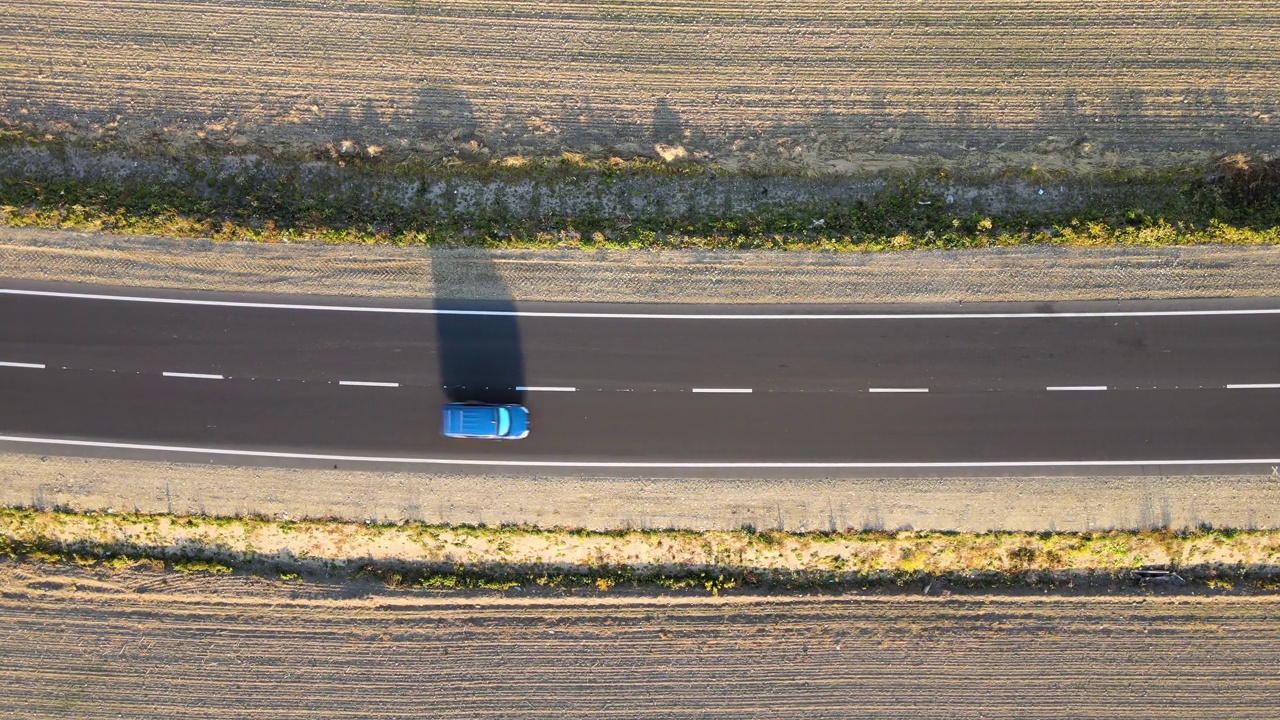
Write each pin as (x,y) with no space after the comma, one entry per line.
(81,644)
(812,84)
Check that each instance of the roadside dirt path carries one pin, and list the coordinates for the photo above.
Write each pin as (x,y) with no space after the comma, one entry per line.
(146,645)
(839,86)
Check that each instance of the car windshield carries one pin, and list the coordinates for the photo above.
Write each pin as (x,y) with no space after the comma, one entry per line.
(504,421)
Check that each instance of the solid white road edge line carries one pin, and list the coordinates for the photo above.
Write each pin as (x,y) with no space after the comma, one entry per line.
(368,383)
(898,390)
(1070,388)
(575,464)
(721,390)
(198,376)
(33,366)
(544,388)
(1256,386)
(640,316)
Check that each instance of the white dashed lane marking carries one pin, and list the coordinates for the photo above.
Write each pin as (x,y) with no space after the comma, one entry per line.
(726,390)
(195,376)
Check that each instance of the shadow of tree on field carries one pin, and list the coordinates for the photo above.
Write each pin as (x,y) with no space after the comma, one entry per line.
(436,118)
(444,110)
(667,126)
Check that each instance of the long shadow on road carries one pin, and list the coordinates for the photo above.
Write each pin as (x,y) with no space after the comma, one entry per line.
(480,356)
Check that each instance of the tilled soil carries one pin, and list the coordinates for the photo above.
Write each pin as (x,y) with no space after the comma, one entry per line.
(133,644)
(839,86)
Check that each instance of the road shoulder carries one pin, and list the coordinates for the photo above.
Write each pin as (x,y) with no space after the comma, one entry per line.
(619,276)
(599,503)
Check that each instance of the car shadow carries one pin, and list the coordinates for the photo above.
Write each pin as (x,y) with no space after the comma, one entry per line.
(477,337)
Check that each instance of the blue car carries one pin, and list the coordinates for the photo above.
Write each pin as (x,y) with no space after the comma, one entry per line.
(486,422)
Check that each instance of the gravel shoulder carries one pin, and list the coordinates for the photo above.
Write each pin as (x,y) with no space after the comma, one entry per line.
(961,504)
(992,274)
(88,644)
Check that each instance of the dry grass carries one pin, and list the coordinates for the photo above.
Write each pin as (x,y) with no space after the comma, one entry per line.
(501,557)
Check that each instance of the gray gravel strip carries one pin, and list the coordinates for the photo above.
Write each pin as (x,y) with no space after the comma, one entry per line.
(960,504)
(1030,273)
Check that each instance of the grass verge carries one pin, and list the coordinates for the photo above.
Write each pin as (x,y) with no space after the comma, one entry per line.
(572,202)
(517,558)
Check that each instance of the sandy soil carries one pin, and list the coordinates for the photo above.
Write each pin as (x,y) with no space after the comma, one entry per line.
(145,645)
(966,504)
(840,86)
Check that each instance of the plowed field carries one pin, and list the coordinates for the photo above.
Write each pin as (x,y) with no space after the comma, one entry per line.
(829,84)
(143,645)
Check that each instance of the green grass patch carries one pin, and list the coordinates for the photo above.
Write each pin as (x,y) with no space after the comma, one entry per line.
(201,566)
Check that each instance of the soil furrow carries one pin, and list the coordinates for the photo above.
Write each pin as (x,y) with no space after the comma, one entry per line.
(730,80)
(91,654)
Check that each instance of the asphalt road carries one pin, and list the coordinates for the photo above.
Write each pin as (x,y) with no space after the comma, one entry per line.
(1114,387)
